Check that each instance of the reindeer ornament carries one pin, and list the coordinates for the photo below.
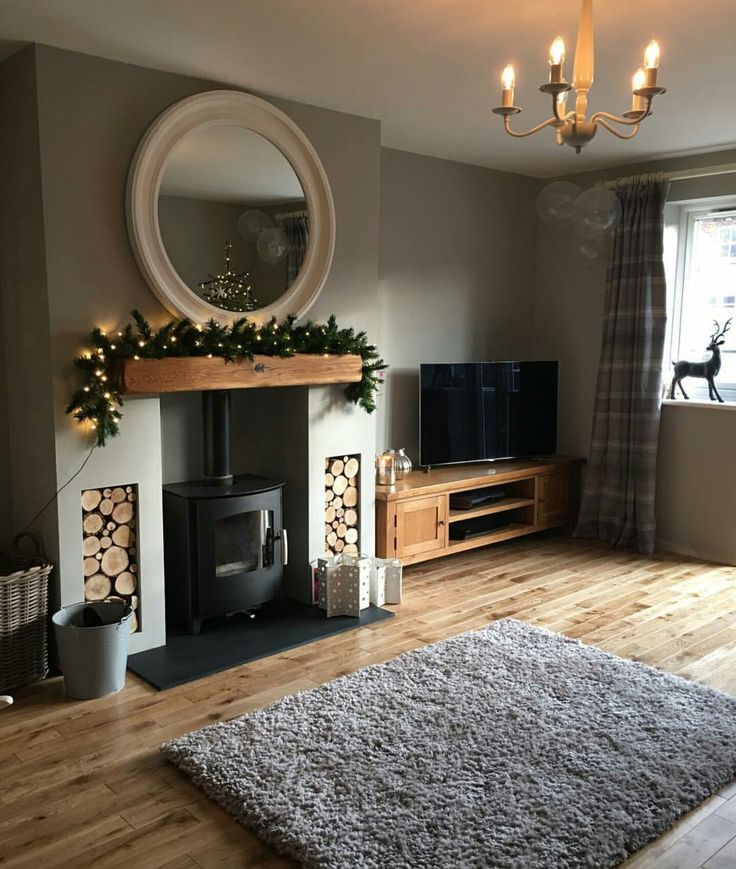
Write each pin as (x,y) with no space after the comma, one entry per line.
(709,370)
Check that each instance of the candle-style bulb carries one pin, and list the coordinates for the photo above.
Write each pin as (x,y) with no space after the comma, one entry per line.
(639,80)
(651,55)
(557,51)
(508,80)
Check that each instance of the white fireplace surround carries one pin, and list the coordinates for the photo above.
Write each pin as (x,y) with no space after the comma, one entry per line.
(330,426)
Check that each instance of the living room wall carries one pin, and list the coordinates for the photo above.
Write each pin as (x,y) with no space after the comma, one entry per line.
(26,416)
(6,502)
(456,275)
(694,456)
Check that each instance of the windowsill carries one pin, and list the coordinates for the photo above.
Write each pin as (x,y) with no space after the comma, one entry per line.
(713,405)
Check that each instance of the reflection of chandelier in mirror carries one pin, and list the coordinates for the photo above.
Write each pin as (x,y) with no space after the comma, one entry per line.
(229,290)
(574,128)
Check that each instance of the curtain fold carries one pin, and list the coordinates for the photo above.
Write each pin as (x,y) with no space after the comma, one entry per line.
(296,229)
(618,498)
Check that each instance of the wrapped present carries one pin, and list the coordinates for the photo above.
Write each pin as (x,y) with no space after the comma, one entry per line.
(392,579)
(347,584)
(377,583)
(344,585)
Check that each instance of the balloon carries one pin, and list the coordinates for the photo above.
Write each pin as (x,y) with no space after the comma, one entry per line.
(272,245)
(252,223)
(596,213)
(588,249)
(555,202)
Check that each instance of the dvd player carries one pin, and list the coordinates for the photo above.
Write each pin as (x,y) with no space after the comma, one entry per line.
(475,498)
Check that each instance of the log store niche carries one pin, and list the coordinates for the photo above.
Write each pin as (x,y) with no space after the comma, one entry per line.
(110,563)
(342,505)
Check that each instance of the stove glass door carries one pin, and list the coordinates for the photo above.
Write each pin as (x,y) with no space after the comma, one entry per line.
(244,542)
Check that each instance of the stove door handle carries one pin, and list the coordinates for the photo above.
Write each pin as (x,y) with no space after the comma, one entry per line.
(284,547)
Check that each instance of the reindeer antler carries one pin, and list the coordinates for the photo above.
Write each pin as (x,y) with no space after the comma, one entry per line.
(719,333)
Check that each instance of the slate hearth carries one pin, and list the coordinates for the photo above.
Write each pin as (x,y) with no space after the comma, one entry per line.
(227,642)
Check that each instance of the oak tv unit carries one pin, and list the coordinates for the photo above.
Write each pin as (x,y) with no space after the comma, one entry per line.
(413,517)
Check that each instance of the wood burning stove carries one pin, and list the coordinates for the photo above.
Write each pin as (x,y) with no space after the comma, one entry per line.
(224,542)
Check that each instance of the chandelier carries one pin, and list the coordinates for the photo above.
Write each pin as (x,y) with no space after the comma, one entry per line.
(575,128)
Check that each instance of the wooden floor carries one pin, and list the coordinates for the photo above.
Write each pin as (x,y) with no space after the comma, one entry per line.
(82,783)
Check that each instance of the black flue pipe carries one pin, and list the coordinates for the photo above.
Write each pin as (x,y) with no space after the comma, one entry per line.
(216,418)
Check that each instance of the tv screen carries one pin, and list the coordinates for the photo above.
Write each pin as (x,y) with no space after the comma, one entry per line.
(475,411)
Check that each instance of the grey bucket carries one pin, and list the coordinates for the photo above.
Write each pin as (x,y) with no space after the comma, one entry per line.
(93,659)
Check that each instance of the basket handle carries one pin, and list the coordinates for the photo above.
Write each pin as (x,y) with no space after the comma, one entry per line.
(35,542)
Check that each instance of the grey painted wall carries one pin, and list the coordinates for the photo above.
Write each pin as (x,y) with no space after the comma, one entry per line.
(6,498)
(568,322)
(456,275)
(28,473)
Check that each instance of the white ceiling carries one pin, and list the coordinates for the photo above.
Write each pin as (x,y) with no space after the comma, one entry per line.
(428,70)
(230,164)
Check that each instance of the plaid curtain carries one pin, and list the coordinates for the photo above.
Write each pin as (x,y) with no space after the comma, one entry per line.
(618,498)
(296,227)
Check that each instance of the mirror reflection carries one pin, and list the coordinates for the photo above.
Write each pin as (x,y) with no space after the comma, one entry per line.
(233,217)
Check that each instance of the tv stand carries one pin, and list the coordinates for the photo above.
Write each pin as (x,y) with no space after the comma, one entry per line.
(413,517)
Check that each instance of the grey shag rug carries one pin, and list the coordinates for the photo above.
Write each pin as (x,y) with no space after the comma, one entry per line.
(503,747)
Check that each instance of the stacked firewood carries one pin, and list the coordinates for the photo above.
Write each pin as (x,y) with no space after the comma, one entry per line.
(110,563)
(342,509)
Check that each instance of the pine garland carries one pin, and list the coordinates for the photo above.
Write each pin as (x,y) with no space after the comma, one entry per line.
(97,402)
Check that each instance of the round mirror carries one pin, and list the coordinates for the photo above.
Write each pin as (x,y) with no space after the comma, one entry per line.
(229,210)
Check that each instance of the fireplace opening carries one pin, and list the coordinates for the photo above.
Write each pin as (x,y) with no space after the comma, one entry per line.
(225,546)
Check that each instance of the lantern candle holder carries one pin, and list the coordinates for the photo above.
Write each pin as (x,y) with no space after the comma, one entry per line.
(385,469)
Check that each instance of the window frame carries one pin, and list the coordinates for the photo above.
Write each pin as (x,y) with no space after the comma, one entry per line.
(682,217)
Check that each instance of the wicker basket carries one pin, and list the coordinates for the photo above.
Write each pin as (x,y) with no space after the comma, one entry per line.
(24,584)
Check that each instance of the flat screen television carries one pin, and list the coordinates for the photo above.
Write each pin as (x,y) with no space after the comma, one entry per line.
(476,411)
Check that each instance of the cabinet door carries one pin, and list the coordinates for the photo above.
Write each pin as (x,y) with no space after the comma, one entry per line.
(421,525)
(553,499)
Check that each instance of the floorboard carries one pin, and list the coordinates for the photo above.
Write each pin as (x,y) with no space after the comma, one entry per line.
(83,783)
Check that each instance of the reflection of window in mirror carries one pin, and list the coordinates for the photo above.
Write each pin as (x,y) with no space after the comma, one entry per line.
(233,217)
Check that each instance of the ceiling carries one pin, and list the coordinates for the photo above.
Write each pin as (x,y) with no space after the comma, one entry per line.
(429,71)
(230,164)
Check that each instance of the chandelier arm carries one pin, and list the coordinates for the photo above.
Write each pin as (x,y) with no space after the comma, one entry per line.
(628,122)
(618,133)
(555,110)
(507,126)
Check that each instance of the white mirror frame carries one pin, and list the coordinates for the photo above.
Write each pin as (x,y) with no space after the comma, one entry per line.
(144,182)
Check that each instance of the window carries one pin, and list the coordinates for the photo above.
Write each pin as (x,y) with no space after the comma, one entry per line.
(700,247)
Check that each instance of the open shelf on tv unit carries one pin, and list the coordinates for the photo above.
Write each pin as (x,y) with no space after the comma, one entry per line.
(413,518)
(501,506)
